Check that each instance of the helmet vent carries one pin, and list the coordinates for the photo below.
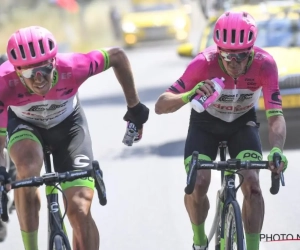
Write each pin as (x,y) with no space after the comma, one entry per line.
(233,32)
(242,36)
(218,34)
(51,44)
(32,52)
(41,47)
(13,54)
(22,51)
(250,36)
(224,35)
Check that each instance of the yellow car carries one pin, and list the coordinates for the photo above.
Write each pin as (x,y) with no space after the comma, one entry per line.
(278,34)
(153,20)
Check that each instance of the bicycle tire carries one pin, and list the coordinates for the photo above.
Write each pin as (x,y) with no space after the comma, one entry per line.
(218,223)
(59,244)
(234,233)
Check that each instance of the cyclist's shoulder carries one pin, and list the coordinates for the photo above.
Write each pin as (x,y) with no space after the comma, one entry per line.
(262,55)
(6,68)
(265,62)
(67,65)
(209,54)
(8,75)
(66,59)
(76,60)
(204,59)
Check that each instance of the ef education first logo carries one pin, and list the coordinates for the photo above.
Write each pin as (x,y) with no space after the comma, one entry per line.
(279,237)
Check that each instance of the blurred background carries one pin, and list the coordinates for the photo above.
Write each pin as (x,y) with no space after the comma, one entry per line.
(145,183)
(77,24)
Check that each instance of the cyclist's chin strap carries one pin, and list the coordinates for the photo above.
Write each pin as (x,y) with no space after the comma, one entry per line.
(250,60)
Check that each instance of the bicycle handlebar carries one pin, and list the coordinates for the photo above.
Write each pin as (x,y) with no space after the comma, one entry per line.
(54,178)
(51,178)
(232,164)
(274,177)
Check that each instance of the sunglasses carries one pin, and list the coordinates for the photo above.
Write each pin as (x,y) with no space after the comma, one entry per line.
(238,56)
(44,70)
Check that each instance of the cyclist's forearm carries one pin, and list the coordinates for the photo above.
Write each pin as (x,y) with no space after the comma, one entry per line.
(122,70)
(168,103)
(277,131)
(126,80)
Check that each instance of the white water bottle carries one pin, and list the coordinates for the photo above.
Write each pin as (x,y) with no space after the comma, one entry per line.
(201,103)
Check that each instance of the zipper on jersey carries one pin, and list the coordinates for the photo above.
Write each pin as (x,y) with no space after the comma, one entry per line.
(235,91)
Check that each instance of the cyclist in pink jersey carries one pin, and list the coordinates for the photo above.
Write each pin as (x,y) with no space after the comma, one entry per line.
(247,70)
(11,169)
(39,107)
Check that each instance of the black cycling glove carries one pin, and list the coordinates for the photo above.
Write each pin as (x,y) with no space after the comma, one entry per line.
(4,215)
(138,115)
(6,175)
(6,179)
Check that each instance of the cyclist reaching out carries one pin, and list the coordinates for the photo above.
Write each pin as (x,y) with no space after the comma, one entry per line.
(39,107)
(247,70)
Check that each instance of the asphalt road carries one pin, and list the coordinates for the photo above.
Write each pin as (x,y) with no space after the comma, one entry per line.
(145,182)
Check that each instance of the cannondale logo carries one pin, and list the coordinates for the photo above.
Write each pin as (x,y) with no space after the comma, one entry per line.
(81,161)
(54,208)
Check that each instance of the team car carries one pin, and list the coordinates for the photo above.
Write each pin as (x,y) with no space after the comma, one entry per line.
(154,20)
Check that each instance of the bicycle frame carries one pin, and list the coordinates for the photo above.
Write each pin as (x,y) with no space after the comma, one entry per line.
(56,226)
(57,235)
(225,196)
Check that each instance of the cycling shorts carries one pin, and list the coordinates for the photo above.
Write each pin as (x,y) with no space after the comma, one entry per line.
(242,138)
(69,142)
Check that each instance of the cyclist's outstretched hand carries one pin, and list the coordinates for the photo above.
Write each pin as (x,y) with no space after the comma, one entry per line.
(6,177)
(283,161)
(138,115)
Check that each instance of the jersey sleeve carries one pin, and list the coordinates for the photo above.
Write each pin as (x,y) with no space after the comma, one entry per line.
(89,64)
(270,88)
(3,107)
(195,72)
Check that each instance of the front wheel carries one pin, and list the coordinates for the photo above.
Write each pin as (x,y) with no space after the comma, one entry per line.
(234,233)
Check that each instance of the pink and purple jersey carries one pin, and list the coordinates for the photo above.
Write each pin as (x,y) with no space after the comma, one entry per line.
(240,94)
(71,70)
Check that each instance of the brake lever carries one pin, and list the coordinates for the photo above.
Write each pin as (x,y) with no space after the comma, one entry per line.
(277,161)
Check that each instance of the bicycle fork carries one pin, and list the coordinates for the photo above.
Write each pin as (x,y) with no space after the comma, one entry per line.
(216,226)
(217,230)
(55,223)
